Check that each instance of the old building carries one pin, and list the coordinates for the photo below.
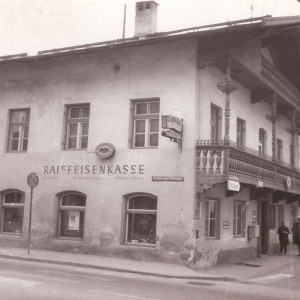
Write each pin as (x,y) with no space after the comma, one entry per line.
(178,146)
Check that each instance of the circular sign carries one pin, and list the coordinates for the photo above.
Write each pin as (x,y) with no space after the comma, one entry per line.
(105,150)
(288,182)
(32,180)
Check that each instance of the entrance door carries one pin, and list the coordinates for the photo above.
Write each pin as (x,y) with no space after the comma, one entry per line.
(265,213)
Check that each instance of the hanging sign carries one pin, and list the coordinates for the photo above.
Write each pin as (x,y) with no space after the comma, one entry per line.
(233,185)
(172,123)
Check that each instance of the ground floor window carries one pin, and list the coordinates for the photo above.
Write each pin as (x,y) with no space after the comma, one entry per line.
(238,219)
(141,212)
(276,216)
(211,218)
(71,215)
(12,212)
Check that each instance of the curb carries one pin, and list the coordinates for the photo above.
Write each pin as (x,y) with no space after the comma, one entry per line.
(65,263)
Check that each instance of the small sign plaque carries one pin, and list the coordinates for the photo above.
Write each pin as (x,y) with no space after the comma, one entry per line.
(226,224)
(168,178)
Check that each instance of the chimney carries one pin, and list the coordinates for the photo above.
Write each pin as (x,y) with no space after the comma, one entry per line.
(145,18)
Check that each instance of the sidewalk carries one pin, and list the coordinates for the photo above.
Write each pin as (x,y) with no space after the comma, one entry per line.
(243,271)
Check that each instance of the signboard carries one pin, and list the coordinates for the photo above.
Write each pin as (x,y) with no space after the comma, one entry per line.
(233,185)
(171,122)
(32,180)
(74,217)
(171,135)
(287,182)
(167,178)
(254,217)
(226,224)
(260,184)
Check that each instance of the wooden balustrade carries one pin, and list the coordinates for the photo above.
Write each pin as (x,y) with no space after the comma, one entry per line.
(222,158)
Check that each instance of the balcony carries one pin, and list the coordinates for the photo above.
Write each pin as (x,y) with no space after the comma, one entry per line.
(218,161)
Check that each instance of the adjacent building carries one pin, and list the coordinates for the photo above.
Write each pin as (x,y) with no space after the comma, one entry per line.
(177,146)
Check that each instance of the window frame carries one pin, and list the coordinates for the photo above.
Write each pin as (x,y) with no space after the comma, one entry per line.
(130,211)
(147,118)
(217,124)
(243,219)
(207,220)
(276,215)
(62,208)
(14,206)
(279,149)
(261,142)
(22,126)
(241,135)
(80,123)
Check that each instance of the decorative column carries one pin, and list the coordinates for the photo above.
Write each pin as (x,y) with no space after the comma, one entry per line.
(227,87)
(293,130)
(273,117)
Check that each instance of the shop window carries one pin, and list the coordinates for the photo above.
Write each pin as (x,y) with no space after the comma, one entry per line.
(71,215)
(141,212)
(145,124)
(77,127)
(240,132)
(19,130)
(276,216)
(215,122)
(238,219)
(212,218)
(12,212)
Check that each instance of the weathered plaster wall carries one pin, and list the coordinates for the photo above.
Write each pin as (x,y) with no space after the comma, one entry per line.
(166,71)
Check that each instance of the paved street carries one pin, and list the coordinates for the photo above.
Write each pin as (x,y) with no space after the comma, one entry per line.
(34,280)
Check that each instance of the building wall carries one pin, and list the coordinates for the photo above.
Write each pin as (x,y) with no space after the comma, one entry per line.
(166,71)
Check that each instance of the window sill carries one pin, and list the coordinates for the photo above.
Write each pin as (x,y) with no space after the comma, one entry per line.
(67,240)
(238,237)
(140,245)
(143,148)
(16,152)
(10,235)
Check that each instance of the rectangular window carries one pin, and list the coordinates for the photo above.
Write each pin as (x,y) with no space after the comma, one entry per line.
(145,124)
(211,218)
(213,124)
(238,219)
(240,132)
(19,130)
(279,149)
(276,216)
(78,127)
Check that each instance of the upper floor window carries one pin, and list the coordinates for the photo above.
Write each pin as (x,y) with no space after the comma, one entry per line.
(71,215)
(12,212)
(279,149)
(262,141)
(211,218)
(19,130)
(78,127)
(240,132)
(145,124)
(215,122)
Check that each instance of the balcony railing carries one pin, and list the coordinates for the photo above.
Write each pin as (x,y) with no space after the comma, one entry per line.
(224,159)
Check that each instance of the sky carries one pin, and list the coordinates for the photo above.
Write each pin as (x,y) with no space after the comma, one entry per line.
(28,26)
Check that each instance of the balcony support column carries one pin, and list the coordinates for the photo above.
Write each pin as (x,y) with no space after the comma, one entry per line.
(293,130)
(227,88)
(273,117)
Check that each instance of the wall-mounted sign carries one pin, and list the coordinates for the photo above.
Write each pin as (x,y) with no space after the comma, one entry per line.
(254,217)
(172,122)
(260,184)
(105,150)
(167,178)
(171,134)
(233,185)
(287,182)
(226,224)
